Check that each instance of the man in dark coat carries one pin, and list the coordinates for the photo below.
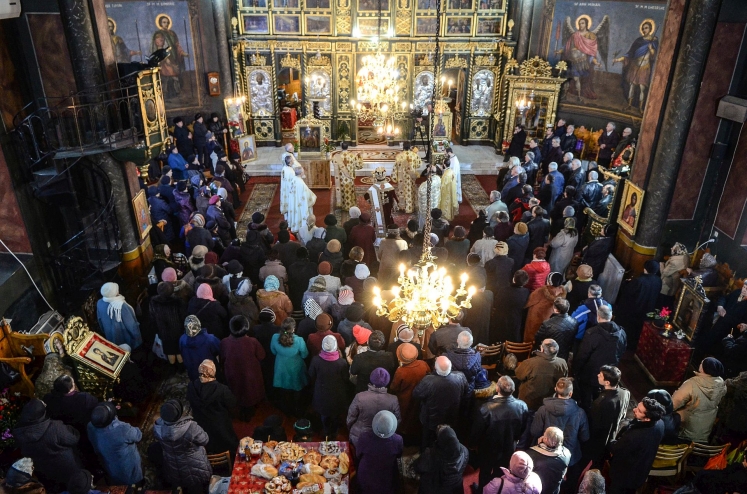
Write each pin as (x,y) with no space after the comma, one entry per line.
(538,375)
(627,139)
(568,140)
(441,395)
(732,311)
(558,213)
(500,424)
(182,138)
(49,443)
(590,193)
(445,338)
(509,302)
(200,139)
(499,269)
(287,248)
(603,344)
(299,274)
(638,298)
(252,256)
(734,354)
(596,253)
(607,144)
(211,403)
(376,356)
(539,229)
(554,155)
(605,415)
(516,148)
(465,359)
(560,327)
(477,318)
(517,244)
(635,448)
(576,177)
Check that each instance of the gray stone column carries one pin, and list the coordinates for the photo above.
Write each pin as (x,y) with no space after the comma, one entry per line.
(702,16)
(221,36)
(525,29)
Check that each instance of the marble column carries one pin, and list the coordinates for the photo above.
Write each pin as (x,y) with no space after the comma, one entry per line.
(221,36)
(695,44)
(525,29)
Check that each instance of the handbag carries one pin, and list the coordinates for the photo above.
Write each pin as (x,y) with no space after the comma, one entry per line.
(717,462)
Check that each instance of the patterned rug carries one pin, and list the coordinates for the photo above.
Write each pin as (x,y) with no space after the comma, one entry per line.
(260,200)
(474,193)
(375,155)
(368,135)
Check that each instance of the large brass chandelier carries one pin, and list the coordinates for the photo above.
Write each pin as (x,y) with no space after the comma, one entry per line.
(424,296)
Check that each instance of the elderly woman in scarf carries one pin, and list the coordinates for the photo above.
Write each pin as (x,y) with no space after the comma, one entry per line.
(181,288)
(377,452)
(318,292)
(519,478)
(162,260)
(117,318)
(196,345)
(242,356)
(670,272)
(290,369)
(329,375)
(167,313)
(307,326)
(271,297)
(241,303)
(211,404)
(442,465)
(210,311)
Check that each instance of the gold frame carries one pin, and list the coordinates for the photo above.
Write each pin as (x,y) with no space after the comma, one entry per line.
(502,9)
(450,9)
(254,148)
(385,24)
(140,204)
(501,28)
(242,26)
(695,293)
(318,9)
(323,134)
(79,338)
(424,17)
(280,7)
(155,130)
(275,17)
(242,113)
(448,117)
(243,5)
(629,189)
(320,14)
(375,10)
(445,26)
(496,85)
(431,5)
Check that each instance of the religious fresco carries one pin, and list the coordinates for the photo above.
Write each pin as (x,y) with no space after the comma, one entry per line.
(139,28)
(52,55)
(610,48)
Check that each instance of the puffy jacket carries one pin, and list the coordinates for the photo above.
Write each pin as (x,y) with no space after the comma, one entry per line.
(511,484)
(52,446)
(468,362)
(603,344)
(185,461)
(441,398)
(538,376)
(498,425)
(537,271)
(562,329)
(696,401)
(196,349)
(365,406)
(567,416)
(116,444)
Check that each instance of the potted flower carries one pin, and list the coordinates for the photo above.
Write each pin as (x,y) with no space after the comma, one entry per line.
(343,131)
(661,319)
(296,148)
(10,409)
(328,147)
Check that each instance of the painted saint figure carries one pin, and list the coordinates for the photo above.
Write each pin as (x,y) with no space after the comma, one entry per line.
(629,213)
(584,50)
(121,53)
(174,63)
(637,64)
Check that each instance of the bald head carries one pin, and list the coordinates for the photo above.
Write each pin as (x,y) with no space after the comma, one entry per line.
(443,366)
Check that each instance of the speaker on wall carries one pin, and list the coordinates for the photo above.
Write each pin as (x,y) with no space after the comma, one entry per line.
(732,108)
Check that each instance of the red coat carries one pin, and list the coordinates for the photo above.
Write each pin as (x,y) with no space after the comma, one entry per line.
(241,357)
(404,381)
(540,306)
(537,271)
(363,235)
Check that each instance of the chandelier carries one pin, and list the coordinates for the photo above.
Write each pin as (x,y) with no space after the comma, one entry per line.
(424,296)
(378,87)
(524,102)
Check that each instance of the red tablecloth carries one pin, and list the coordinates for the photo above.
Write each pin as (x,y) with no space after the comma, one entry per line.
(288,118)
(665,359)
(243,482)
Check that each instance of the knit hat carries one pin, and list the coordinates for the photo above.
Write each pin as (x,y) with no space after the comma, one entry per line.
(365,217)
(436,213)
(346,297)
(434,239)
(34,411)
(258,217)
(521,464)
(311,308)
(318,285)
(460,232)
(272,283)
(110,290)
(569,211)
(501,249)
(712,367)
(354,212)
(361,334)
(520,228)
(171,411)
(323,322)
(334,246)
(376,341)
(192,326)
(324,268)
(330,219)
(354,312)
(234,267)
(407,353)
(329,343)
(379,377)
(362,272)
(584,272)
(443,366)
(238,325)
(181,186)
(103,414)
(169,274)
(25,465)
(80,482)
(198,220)
(404,333)
(214,199)
(266,315)
(384,424)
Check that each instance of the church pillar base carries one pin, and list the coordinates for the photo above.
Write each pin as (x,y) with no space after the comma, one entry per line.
(632,255)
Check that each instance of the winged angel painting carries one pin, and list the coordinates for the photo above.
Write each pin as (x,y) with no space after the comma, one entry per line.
(584,49)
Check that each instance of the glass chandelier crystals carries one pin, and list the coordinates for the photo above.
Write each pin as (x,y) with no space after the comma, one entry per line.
(378,86)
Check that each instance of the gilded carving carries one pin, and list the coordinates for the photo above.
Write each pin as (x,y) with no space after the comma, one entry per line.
(257,59)
(260,91)
(535,67)
(485,61)
(264,130)
(403,47)
(478,129)
(344,22)
(320,61)
(483,85)
(343,47)
(343,83)
(403,22)
(290,62)
(456,62)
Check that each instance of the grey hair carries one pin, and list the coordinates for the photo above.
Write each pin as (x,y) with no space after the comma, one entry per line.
(569,211)
(554,139)
(604,312)
(514,161)
(506,386)
(593,175)
(612,124)
(576,162)
(628,128)
(464,340)
(592,483)
(553,437)
(566,155)
(550,347)
(531,155)
(495,196)
(553,167)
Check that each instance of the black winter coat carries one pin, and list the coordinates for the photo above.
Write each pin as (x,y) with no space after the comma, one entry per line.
(517,250)
(183,142)
(198,235)
(52,446)
(539,229)
(167,316)
(199,134)
(562,329)
(589,194)
(605,415)
(556,213)
(603,344)
(74,409)
(441,476)
(516,148)
(365,363)
(211,405)
(499,270)
(637,298)
(500,424)
(576,179)
(335,259)
(477,319)
(316,246)
(331,386)
(567,416)
(212,315)
(252,260)
(633,453)
(508,322)
(185,460)
(596,254)
(299,274)
(441,398)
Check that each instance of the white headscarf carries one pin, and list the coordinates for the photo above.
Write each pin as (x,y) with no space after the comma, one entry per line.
(110,292)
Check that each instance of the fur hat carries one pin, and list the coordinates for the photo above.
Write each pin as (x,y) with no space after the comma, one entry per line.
(520,228)
(266,315)
(501,249)
(329,343)
(323,322)
(258,217)
(238,325)
(365,217)
(330,220)
(355,312)
(234,267)
(103,414)
(407,353)
(376,341)
(334,246)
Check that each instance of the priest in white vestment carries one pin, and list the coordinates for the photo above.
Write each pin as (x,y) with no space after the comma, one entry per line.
(300,203)
(456,168)
(287,176)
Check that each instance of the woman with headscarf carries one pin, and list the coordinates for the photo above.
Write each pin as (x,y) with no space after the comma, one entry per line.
(115,442)
(367,404)
(19,479)
(211,403)
(540,304)
(517,479)
(537,269)
(562,246)
(671,419)
(290,369)
(697,399)
(356,282)
(377,452)
(196,345)
(307,326)
(185,463)
(167,313)
(333,282)
(441,466)
(333,256)
(241,303)
(209,310)
(241,355)
(162,260)
(271,297)
(196,234)
(212,275)
(181,287)
(117,318)
(318,292)
(329,374)
(578,289)
(409,373)
(670,273)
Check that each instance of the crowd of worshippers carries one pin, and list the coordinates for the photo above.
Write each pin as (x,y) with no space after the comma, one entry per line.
(287,317)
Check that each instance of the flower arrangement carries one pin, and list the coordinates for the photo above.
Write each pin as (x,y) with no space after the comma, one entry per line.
(10,409)
(662,315)
(327,146)
(296,146)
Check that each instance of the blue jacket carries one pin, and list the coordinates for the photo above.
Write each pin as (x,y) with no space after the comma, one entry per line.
(468,362)
(116,445)
(290,368)
(196,349)
(559,184)
(586,315)
(125,331)
(178,165)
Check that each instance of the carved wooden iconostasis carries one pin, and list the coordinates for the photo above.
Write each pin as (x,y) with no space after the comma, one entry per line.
(299,58)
